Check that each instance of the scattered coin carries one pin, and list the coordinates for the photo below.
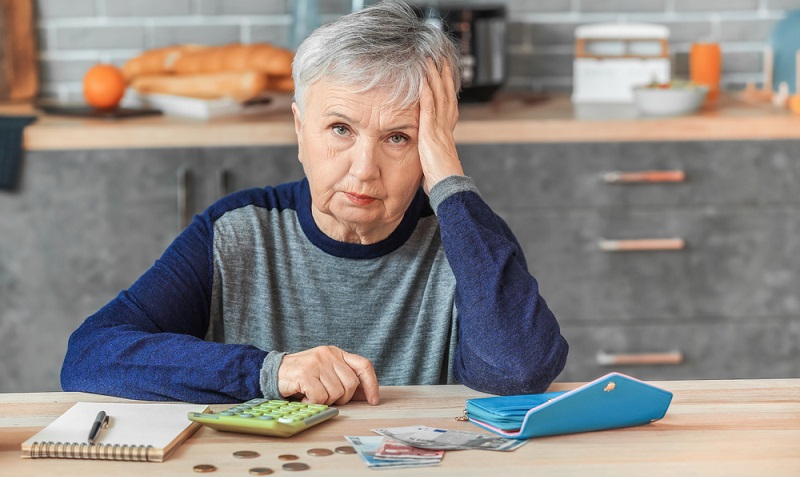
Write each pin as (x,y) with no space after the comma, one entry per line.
(319,452)
(203,468)
(260,471)
(245,454)
(295,466)
(345,450)
(287,457)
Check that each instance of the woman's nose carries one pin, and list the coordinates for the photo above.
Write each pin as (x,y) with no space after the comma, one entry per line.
(364,165)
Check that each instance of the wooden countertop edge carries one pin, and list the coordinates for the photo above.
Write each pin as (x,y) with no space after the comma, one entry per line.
(136,136)
(133,135)
(693,128)
(549,122)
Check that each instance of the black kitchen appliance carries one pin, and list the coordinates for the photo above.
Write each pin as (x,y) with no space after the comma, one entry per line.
(480,34)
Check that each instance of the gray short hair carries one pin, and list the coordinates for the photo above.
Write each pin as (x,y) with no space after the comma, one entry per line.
(384,46)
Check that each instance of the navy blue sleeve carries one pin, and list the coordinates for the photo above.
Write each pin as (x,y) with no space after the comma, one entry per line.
(508,339)
(148,343)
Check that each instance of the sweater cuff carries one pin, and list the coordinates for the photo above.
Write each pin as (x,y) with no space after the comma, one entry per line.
(449,186)
(269,375)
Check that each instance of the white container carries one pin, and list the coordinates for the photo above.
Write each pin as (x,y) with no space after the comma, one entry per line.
(669,101)
(612,59)
(173,105)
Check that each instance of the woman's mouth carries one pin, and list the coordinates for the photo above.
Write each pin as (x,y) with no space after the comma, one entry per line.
(359,199)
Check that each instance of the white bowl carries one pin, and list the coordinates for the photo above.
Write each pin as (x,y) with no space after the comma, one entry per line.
(676,101)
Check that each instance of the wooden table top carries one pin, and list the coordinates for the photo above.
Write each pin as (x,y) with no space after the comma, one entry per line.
(713,428)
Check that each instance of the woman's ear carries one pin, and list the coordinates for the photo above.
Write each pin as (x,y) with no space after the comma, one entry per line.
(298,128)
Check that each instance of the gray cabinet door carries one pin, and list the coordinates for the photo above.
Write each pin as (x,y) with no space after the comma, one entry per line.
(232,169)
(545,176)
(737,263)
(83,226)
(711,350)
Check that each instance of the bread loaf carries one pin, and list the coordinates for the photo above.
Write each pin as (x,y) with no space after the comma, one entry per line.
(268,59)
(156,61)
(282,84)
(239,85)
(241,71)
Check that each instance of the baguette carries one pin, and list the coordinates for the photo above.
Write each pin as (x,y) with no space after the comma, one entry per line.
(282,84)
(263,57)
(239,85)
(157,61)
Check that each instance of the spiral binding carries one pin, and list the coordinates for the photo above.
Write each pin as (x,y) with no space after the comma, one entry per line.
(74,450)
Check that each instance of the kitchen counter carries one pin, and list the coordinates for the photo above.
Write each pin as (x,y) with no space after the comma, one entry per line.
(506,120)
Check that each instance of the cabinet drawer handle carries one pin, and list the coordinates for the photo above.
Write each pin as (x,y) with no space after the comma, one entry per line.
(638,177)
(637,359)
(223,183)
(183,197)
(636,245)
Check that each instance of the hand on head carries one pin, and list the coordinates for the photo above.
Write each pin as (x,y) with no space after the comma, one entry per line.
(328,375)
(438,114)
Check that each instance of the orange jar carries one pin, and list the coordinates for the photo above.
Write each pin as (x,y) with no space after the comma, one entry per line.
(705,67)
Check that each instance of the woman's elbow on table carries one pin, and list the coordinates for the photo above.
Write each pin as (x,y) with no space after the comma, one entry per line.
(528,372)
(76,372)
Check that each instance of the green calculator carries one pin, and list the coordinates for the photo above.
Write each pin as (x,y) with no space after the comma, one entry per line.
(267,417)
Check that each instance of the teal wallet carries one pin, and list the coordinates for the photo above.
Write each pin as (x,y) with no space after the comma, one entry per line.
(612,401)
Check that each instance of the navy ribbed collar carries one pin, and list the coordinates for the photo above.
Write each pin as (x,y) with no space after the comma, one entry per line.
(351,250)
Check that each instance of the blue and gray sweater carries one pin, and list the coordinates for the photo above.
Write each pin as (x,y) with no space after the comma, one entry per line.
(446,298)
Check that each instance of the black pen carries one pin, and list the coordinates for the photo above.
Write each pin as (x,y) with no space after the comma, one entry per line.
(99,422)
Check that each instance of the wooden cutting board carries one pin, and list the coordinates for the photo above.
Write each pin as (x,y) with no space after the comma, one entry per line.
(19,76)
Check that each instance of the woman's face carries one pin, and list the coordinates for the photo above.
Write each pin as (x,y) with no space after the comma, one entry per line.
(361,159)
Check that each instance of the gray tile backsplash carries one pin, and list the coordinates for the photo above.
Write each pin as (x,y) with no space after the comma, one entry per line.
(540,34)
(154,8)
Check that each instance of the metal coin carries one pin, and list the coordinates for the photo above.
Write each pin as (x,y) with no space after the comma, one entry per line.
(319,452)
(287,457)
(246,454)
(295,466)
(260,471)
(203,468)
(345,450)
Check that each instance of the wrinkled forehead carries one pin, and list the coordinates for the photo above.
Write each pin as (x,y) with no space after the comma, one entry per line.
(397,95)
(329,92)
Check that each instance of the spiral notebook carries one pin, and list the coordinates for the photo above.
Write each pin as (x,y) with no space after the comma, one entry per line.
(136,432)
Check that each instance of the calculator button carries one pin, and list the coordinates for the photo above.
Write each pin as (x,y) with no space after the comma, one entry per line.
(290,419)
(228,413)
(246,415)
(266,417)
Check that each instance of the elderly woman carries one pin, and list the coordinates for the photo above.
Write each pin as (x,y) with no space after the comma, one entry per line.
(383,265)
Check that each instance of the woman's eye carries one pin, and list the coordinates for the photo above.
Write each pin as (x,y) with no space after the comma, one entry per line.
(339,129)
(397,139)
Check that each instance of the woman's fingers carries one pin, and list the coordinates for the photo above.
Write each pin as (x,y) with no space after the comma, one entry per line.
(327,375)
(438,117)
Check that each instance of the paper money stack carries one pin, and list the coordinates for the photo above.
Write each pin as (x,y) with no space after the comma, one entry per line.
(420,446)
(384,452)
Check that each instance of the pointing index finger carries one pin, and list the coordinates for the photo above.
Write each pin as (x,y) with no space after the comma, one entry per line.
(366,375)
